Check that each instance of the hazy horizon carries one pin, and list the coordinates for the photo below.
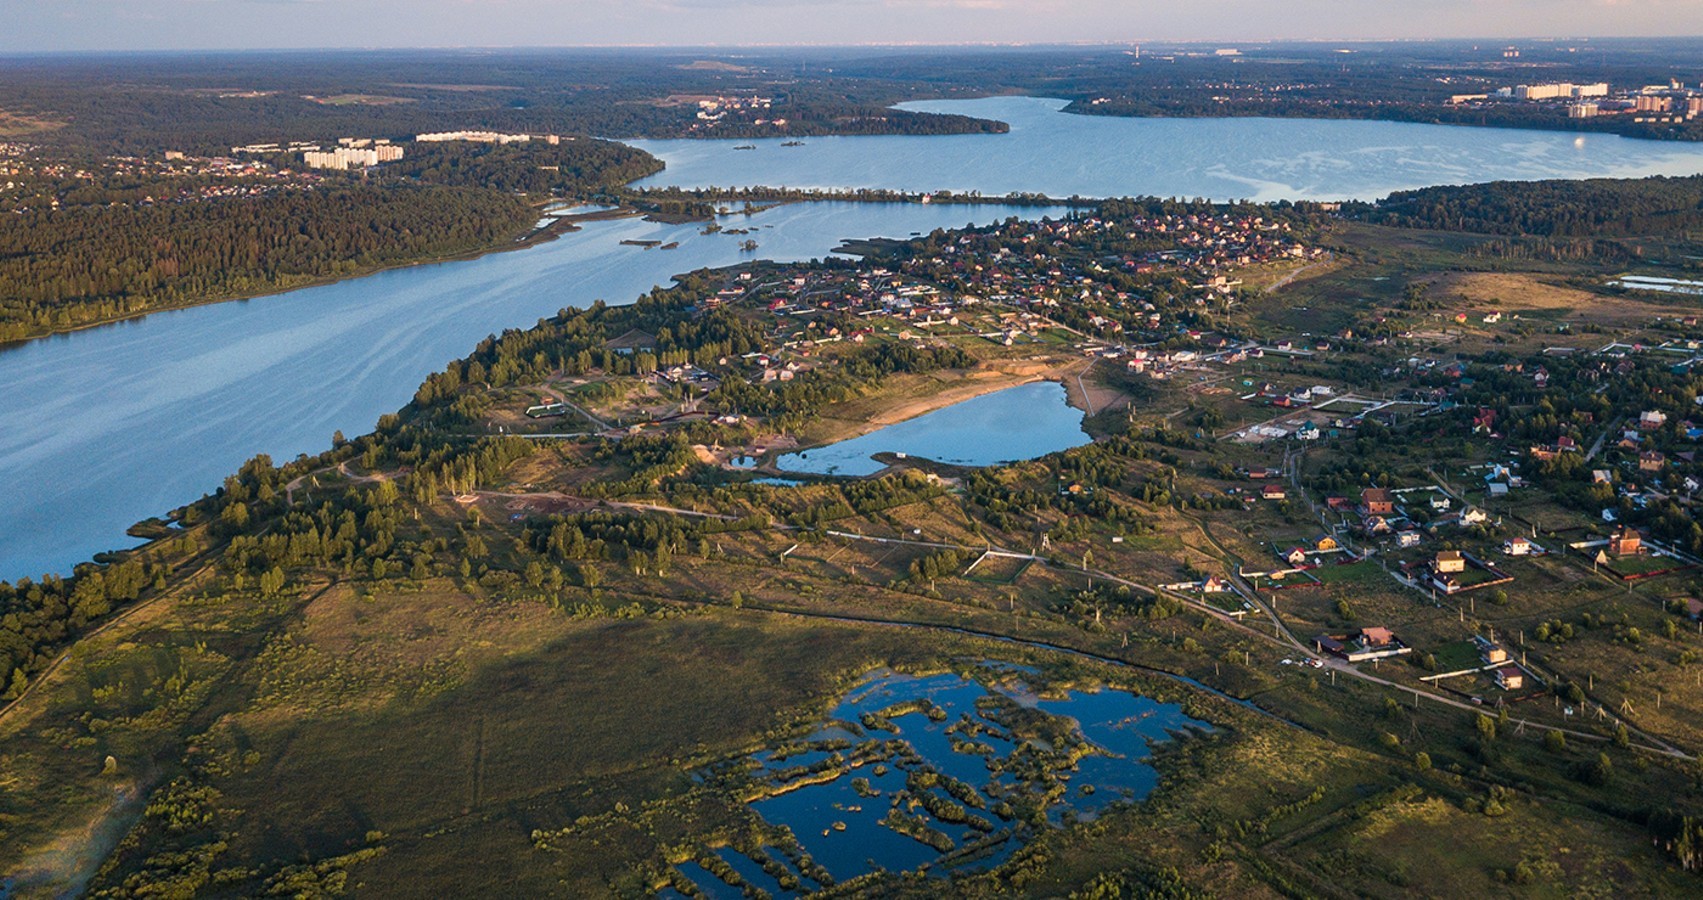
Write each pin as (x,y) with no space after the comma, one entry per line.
(216,25)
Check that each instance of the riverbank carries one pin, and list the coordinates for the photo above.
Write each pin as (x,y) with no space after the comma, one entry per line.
(519,239)
(1635,128)
(774,194)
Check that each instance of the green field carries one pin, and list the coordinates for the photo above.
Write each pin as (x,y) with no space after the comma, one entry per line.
(1456,656)
(1359,573)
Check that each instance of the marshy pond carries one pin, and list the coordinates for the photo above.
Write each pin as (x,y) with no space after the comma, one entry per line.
(939,773)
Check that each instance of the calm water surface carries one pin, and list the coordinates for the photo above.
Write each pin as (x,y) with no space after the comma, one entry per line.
(1062,154)
(1018,423)
(102,428)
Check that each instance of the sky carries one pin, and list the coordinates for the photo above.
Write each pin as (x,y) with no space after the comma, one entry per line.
(69,25)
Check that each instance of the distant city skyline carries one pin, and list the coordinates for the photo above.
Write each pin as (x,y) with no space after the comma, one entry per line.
(85,25)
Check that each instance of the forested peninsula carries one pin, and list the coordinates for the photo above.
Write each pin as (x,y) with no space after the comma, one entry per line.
(112,245)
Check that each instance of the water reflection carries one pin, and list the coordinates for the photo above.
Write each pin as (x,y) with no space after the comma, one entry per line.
(941,773)
(1018,423)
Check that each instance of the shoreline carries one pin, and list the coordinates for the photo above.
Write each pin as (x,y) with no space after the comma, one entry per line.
(525,240)
(968,387)
(532,237)
(1559,126)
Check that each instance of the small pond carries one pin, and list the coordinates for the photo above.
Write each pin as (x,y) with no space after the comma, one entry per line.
(1017,423)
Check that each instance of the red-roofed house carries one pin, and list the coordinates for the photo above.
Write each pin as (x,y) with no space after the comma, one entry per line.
(1377,501)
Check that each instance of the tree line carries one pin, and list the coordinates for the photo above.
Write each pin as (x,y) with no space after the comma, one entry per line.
(1600,207)
(69,267)
(573,167)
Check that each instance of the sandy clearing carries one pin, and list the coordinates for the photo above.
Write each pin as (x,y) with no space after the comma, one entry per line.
(1488,291)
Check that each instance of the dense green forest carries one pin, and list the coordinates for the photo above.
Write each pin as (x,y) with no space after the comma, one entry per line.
(88,239)
(821,118)
(64,268)
(1594,208)
(207,104)
(575,166)
(211,102)
(1192,104)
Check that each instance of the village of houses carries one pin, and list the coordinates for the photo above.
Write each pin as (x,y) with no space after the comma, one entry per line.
(980,293)
(1447,546)
(1464,545)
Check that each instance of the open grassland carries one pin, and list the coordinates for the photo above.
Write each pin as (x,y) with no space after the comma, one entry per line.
(1423,841)
(15,125)
(596,713)
(451,724)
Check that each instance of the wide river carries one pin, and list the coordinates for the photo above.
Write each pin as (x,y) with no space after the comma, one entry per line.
(1060,154)
(104,427)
